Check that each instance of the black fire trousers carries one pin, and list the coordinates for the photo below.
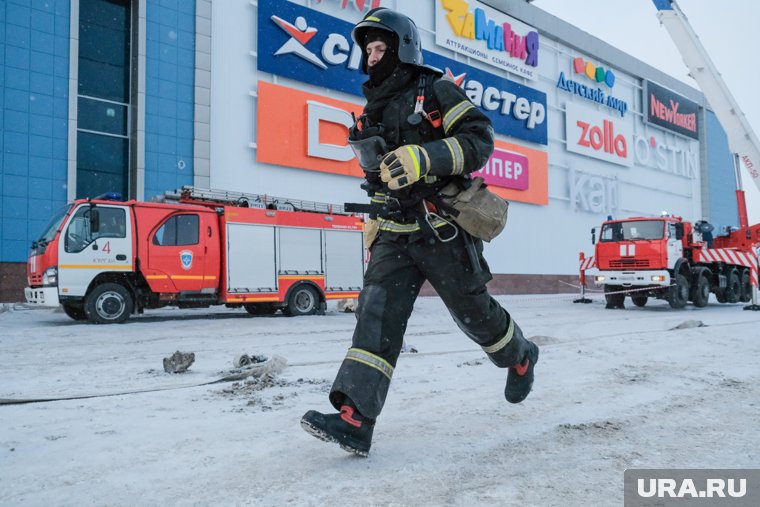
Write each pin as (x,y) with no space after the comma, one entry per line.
(399,265)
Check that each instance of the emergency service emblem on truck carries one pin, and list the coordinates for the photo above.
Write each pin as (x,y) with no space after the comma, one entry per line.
(103,259)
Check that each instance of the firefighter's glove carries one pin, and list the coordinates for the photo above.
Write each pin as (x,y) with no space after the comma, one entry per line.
(404,166)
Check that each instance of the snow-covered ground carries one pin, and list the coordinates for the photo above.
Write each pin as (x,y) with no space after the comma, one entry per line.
(614,390)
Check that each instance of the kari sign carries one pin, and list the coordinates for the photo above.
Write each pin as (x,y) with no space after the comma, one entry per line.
(483,33)
(672,111)
(307,131)
(311,47)
(596,135)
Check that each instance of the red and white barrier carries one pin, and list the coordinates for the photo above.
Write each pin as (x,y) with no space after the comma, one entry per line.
(729,256)
(584,263)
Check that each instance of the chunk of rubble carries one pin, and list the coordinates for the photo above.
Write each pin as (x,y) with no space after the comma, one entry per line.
(689,324)
(272,366)
(347,305)
(246,360)
(179,362)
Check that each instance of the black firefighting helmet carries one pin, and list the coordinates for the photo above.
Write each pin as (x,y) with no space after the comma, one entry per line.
(409,46)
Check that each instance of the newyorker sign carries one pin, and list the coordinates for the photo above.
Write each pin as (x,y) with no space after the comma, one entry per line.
(674,112)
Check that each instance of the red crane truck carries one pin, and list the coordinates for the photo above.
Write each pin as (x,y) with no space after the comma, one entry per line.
(667,258)
(103,259)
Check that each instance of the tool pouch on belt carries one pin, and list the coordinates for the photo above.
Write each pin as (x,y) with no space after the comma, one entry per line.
(371,228)
(481,213)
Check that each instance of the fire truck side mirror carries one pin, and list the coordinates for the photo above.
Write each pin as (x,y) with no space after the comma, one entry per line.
(593,235)
(679,231)
(94,220)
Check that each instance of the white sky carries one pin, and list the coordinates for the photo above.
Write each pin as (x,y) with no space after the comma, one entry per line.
(725,28)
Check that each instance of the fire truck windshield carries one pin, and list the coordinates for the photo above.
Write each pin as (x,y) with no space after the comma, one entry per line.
(52,227)
(632,231)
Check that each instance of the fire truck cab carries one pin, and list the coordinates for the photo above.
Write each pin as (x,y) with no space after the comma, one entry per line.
(663,257)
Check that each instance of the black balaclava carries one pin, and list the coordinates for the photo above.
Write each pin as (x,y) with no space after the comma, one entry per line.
(388,63)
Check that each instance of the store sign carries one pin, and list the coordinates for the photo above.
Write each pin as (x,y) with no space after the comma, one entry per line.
(665,158)
(591,71)
(517,173)
(593,193)
(304,130)
(506,169)
(360,4)
(308,131)
(589,85)
(597,135)
(515,110)
(311,47)
(670,110)
(485,34)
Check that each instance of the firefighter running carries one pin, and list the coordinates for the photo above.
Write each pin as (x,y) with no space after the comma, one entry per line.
(418,133)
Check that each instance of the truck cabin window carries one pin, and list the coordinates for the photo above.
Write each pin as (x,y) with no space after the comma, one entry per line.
(178,230)
(632,231)
(113,224)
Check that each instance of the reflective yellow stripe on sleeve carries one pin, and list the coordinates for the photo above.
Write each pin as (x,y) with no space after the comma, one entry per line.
(457,155)
(455,113)
(371,360)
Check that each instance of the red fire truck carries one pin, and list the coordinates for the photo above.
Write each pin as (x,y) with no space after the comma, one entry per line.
(103,259)
(666,258)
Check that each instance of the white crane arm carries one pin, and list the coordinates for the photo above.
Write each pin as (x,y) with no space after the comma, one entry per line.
(741,138)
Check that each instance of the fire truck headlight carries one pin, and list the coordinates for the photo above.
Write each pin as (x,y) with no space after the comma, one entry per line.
(599,278)
(658,278)
(50,277)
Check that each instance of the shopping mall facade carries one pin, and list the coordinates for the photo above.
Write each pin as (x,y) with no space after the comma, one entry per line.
(144,96)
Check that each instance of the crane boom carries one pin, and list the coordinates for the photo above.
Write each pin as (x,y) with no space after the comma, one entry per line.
(742,140)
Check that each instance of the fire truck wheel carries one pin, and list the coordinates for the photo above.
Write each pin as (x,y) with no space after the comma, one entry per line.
(614,300)
(109,303)
(260,308)
(75,312)
(678,295)
(746,296)
(734,287)
(639,299)
(701,292)
(304,300)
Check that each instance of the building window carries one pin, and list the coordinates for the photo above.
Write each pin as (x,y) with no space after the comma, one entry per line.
(103,100)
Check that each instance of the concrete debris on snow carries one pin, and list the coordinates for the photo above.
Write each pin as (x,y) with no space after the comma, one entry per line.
(689,324)
(179,362)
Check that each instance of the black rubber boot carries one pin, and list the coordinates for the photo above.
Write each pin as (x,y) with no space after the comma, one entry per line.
(520,375)
(349,429)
